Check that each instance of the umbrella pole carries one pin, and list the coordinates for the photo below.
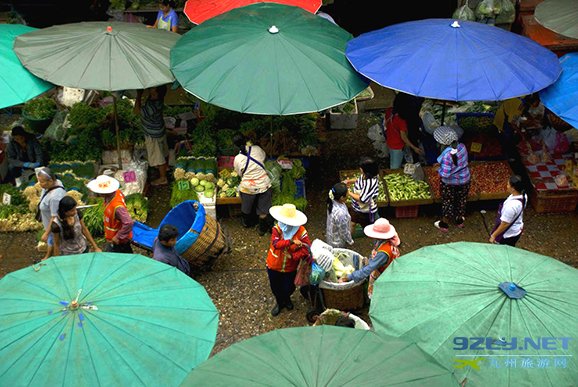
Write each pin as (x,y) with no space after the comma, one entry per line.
(117,130)
(443,112)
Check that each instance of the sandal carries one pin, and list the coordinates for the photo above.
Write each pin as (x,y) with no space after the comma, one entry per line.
(442,226)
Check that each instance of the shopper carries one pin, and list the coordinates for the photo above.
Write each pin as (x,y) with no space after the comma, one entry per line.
(52,192)
(510,218)
(290,243)
(363,209)
(117,221)
(402,125)
(155,134)
(455,178)
(338,228)
(385,250)
(164,249)
(70,234)
(255,187)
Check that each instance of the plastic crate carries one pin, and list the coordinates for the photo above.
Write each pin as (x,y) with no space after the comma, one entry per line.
(406,212)
(300,183)
(225,162)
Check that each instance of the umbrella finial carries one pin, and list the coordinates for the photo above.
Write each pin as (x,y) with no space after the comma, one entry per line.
(455,24)
(109,29)
(512,290)
(273,29)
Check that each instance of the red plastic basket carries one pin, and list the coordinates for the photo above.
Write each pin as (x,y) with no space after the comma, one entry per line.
(406,212)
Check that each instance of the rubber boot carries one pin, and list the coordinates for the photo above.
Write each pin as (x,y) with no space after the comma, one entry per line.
(264,226)
(248,220)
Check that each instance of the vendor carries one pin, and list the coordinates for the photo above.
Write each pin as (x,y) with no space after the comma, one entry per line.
(385,250)
(514,113)
(24,152)
(117,220)
(164,249)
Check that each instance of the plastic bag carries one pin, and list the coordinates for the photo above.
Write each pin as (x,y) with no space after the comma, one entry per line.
(303,273)
(464,13)
(508,13)
(317,274)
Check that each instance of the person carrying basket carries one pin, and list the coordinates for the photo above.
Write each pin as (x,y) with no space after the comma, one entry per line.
(384,252)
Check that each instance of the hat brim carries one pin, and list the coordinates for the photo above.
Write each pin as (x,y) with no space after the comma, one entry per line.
(368,230)
(93,186)
(299,220)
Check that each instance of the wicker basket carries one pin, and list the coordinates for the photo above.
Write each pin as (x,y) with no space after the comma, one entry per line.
(329,317)
(345,296)
(210,243)
(553,201)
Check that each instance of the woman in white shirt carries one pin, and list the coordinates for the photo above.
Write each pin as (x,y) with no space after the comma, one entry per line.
(511,214)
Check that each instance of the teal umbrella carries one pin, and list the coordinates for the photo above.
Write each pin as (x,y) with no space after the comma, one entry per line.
(321,356)
(560,16)
(267,58)
(17,84)
(99,55)
(107,56)
(102,319)
(499,315)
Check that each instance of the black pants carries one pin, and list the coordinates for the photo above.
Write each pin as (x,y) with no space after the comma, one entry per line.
(120,248)
(282,285)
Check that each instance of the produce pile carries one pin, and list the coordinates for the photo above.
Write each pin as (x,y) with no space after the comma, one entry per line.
(338,269)
(401,187)
(228,183)
(489,180)
(137,206)
(16,215)
(354,174)
(194,176)
(283,182)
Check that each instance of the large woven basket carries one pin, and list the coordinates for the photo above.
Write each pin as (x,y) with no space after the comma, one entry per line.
(345,296)
(201,239)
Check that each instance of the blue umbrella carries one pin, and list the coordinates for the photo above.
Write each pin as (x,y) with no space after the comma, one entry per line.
(561,97)
(453,60)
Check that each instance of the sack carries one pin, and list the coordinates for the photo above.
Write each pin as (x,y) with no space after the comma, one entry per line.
(464,13)
(303,273)
(508,13)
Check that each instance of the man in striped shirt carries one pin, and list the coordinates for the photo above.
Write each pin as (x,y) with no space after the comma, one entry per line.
(153,125)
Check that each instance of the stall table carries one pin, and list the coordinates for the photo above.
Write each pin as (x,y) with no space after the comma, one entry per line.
(546,195)
(406,208)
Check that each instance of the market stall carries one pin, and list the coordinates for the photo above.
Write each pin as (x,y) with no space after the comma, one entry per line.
(553,178)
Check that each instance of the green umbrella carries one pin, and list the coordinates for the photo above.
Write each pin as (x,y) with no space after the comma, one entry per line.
(560,16)
(102,319)
(500,315)
(100,56)
(321,356)
(17,84)
(267,58)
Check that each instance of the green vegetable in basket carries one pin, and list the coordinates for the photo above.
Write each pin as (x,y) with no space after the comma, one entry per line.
(137,206)
(182,192)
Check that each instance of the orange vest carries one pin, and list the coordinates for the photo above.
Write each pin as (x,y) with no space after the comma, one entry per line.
(282,259)
(111,224)
(392,252)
